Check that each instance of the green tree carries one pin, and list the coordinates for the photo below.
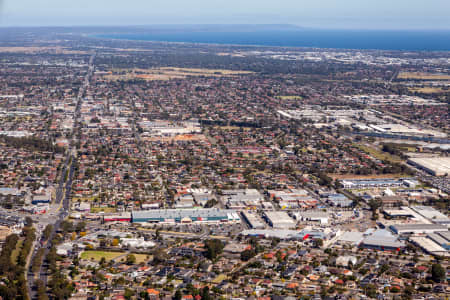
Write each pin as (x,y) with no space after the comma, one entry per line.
(437,272)
(178,295)
(131,259)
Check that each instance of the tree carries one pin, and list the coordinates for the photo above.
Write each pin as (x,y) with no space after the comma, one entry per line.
(178,295)
(131,259)
(319,243)
(41,290)
(28,222)
(247,254)
(437,272)
(47,231)
(374,205)
(205,293)
(213,248)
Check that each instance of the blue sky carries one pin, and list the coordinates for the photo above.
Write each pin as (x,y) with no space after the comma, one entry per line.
(354,14)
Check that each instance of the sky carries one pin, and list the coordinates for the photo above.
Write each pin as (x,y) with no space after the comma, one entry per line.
(339,14)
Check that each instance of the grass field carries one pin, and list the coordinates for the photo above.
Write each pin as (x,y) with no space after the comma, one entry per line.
(219,278)
(16,251)
(429,90)
(422,76)
(378,154)
(97,255)
(103,209)
(167,73)
(290,97)
(142,257)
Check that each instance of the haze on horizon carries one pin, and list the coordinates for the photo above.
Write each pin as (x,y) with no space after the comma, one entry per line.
(339,14)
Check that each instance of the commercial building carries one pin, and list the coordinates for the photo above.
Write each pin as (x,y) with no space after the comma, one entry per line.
(437,166)
(432,214)
(41,199)
(211,215)
(253,221)
(242,198)
(429,245)
(441,240)
(339,200)
(279,219)
(371,183)
(314,216)
(382,240)
(417,228)
(123,217)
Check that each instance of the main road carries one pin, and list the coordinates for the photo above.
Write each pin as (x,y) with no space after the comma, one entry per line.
(62,197)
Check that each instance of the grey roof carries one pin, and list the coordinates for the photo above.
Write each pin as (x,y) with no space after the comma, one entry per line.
(383,242)
(181,213)
(351,237)
(445,235)
(314,214)
(383,238)
(437,238)
(413,227)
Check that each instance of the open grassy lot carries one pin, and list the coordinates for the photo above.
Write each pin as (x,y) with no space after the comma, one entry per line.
(422,76)
(103,209)
(429,90)
(15,253)
(378,154)
(167,73)
(290,97)
(142,257)
(219,278)
(97,255)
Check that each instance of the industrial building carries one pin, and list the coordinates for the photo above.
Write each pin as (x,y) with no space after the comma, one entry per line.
(417,228)
(122,217)
(429,245)
(371,183)
(440,239)
(315,216)
(211,215)
(436,166)
(279,219)
(382,240)
(242,198)
(41,199)
(253,221)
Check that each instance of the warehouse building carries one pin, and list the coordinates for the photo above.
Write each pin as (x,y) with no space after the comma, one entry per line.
(315,216)
(441,240)
(436,166)
(185,216)
(428,245)
(253,221)
(371,183)
(417,228)
(382,240)
(279,219)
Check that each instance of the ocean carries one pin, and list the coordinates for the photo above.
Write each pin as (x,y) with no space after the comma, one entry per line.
(315,38)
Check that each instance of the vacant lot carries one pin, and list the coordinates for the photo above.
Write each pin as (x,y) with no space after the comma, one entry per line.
(103,209)
(290,97)
(423,76)
(168,73)
(97,255)
(429,90)
(378,154)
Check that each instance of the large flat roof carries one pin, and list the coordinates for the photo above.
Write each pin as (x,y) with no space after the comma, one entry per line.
(427,244)
(413,227)
(181,213)
(439,165)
